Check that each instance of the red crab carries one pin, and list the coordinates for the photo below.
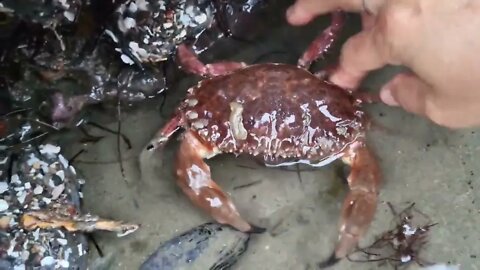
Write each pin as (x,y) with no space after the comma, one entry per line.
(283,114)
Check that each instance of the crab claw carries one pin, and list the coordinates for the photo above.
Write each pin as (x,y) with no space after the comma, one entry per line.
(256,229)
(165,133)
(360,204)
(194,178)
(329,262)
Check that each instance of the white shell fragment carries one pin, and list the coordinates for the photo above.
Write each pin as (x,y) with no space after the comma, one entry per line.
(3,187)
(49,149)
(69,15)
(19,267)
(62,241)
(38,190)
(49,260)
(21,197)
(3,205)
(57,191)
(127,60)
(61,174)
(15,179)
(64,263)
(406,258)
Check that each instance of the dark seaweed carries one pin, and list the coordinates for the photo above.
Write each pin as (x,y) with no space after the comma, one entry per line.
(401,246)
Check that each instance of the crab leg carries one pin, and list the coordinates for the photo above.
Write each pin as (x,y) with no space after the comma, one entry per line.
(324,41)
(162,136)
(360,204)
(194,178)
(189,62)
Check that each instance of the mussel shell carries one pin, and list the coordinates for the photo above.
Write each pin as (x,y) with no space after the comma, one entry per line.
(209,246)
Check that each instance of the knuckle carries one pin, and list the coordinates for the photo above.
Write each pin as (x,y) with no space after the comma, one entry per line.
(439,116)
(395,22)
(435,118)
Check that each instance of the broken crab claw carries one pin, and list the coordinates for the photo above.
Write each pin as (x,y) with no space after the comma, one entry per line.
(48,219)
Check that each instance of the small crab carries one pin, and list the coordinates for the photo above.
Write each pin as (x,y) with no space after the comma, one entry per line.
(283,114)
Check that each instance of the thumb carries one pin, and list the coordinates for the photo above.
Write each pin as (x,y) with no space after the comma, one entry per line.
(407,91)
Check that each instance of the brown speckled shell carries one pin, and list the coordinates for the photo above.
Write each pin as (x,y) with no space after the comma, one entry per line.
(287,111)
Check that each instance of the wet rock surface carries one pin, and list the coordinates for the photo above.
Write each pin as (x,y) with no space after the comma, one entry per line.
(38,179)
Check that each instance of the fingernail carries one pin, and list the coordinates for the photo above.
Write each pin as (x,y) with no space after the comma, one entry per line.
(297,16)
(290,11)
(387,97)
(292,15)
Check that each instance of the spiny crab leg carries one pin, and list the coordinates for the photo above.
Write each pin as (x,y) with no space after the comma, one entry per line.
(324,41)
(194,178)
(360,204)
(189,62)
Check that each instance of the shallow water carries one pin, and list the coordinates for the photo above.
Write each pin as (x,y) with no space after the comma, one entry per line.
(422,163)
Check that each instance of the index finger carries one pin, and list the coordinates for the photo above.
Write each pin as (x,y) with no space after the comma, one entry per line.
(303,11)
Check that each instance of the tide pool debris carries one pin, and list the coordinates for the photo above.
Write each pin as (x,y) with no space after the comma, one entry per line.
(41,221)
(400,246)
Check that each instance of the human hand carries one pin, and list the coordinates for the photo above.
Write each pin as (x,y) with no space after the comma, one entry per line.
(437,40)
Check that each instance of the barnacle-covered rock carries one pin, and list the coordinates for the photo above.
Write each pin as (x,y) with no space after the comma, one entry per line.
(63,86)
(40,195)
(147,31)
(60,70)
(48,13)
